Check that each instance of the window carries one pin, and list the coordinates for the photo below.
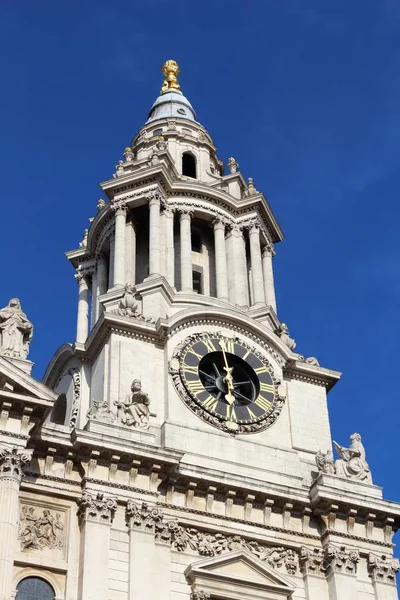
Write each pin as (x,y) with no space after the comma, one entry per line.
(188,165)
(59,411)
(196,241)
(157,132)
(197,282)
(34,588)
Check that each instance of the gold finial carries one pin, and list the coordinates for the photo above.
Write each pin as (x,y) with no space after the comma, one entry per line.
(171,71)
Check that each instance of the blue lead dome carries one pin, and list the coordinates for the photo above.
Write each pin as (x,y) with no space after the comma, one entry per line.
(171,104)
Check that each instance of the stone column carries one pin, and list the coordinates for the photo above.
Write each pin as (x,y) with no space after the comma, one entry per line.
(154,234)
(312,568)
(101,281)
(146,557)
(340,564)
(240,275)
(382,570)
(119,244)
(169,246)
(221,272)
(82,325)
(96,514)
(12,461)
(269,287)
(130,263)
(256,266)
(111,263)
(186,250)
(94,288)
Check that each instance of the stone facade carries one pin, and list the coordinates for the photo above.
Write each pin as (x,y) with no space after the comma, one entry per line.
(120,478)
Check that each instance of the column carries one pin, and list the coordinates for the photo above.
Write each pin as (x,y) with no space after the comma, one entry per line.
(240,274)
(130,263)
(312,568)
(12,461)
(94,288)
(111,263)
(154,235)
(96,514)
(82,325)
(119,244)
(340,565)
(269,287)
(186,251)
(169,246)
(101,282)
(221,271)
(256,266)
(382,569)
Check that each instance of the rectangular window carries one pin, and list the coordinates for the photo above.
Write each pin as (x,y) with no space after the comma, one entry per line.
(197,282)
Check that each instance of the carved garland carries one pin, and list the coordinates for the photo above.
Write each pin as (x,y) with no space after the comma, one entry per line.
(175,371)
(76,395)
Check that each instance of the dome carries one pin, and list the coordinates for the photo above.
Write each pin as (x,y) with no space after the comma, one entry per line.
(171,104)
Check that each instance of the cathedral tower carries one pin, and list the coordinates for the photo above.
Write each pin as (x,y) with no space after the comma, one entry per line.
(180,448)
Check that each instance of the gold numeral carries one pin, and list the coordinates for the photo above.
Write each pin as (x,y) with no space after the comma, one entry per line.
(230,412)
(246,355)
(267,387)
(199,356)
(191,369)
(260,370)
(195,386)
(228,345)
(209,345)
(251,414)
(263,403)
(210,402)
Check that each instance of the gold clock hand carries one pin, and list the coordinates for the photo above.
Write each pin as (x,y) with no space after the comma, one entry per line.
(229,397)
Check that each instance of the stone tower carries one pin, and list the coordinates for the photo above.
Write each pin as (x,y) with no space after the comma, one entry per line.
(180,448)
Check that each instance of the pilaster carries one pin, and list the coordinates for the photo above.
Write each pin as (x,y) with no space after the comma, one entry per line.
(119,243)
(340,565)
(268,274)
(311,562)
(382,570)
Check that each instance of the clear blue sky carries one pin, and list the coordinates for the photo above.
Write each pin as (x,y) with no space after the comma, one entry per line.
(304,94)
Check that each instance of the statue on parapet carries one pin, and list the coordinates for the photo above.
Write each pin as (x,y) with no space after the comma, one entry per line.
(352,462)
(15,331)
(128,306)
(134,410)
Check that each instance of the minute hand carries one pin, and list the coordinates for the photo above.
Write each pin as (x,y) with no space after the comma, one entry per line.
(229,379)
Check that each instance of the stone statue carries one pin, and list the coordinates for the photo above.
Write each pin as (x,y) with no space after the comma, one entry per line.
(352,463)
(100,204)
(83,243)
(120,169)
(134,410)
(161,144)
(283,333)
(250,190)
(128,154)
(15,330)
(128,305)
(233,166)
(324,462)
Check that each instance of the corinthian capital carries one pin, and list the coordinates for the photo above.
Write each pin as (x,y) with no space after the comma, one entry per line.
(185,211)
(200,595)
(311,561)
(12,462)
(98,508)
(339,559)
(268,250)
(119,206)
(154,198)
(383,568)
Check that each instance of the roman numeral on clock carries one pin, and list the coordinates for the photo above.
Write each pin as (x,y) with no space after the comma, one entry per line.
(209,345)
(228,345)
(263,402)
(191,369)
(267,387)
(210,402)
(195,386)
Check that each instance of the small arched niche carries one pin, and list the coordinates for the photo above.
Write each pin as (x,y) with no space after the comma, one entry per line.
(59,412)
(189,165)
(34,588)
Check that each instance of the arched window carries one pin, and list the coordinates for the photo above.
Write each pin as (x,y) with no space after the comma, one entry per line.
(59,412)
(34,588)
(196,241)
(188,165)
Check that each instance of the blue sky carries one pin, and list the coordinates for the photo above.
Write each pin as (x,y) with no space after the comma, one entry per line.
(304,94)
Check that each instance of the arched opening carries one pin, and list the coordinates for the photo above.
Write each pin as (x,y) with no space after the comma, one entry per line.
(196,241)
(59,412)
(34,588)
(188,165)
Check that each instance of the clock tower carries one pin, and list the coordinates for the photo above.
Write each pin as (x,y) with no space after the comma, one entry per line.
(183,449)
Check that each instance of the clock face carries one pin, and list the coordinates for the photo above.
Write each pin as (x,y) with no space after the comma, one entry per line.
(226,382)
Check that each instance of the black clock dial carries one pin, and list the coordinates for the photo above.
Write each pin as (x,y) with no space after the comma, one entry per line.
(228,379)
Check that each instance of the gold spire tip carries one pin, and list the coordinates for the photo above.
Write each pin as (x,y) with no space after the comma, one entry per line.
(171,71)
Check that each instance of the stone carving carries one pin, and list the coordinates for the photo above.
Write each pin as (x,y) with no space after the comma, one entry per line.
(12,462)
(352,463)
(311,561)
(15,330)
(161,144)
(233,166)
(183,538)
(311,360)
(324,462)
(128,306)
(99,508)
(99,411)
(340,559)
(250,190)
(83,243)
(76,395)
(200,595)
(119,169)
(100,204)
(39,532)
(134,410)
(383,568)
(128,154)
(283,333)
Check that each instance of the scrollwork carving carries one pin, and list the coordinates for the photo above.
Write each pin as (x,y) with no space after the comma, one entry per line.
(311,561)
(76,395)
(383,568)
(12,462)
(200,595)
(99,508)
(341,559)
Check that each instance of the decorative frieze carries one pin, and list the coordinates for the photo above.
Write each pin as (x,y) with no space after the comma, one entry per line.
(12,462)
(182,538)
(339,559)
(383,568)
(98,508)
(311,561)
(38,532)
(200,595)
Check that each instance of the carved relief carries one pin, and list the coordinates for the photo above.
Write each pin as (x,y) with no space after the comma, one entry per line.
(340,559)
(15,330)
(12,462)
(128,305)
(99,411)
(324,462)
(383,568)
(311,561)
(134,410)
(37,532)
(183,538)
(99,508)
(200,595)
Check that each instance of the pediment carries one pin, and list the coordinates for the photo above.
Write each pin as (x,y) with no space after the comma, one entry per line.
(239,575)
(15,384)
